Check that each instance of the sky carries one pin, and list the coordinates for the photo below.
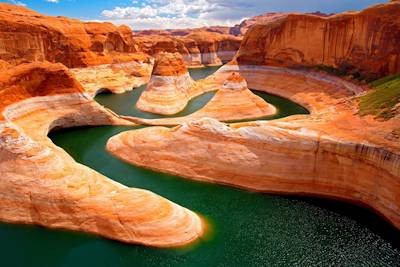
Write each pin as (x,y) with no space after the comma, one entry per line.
(161,14)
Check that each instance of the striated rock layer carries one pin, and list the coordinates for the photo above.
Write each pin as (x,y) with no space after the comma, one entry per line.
(198,48)
(170,86)
(360,43)
(115,78)
(324,154)
(41,184)
(233,101)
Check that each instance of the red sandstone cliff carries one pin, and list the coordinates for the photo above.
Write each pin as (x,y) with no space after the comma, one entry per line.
(244,26)
(365,42)
(28,35)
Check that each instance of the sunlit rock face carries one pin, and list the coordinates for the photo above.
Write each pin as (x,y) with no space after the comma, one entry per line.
(41,184)
(245,25)
(115,78)
(170,86)
(198,47)
(232,101)
(26,35)
(361,43)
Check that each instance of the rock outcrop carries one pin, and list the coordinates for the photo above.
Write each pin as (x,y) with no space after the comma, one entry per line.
(41,184)
(170,86)
(198,48)
(323,154)
(242,28)
(232,101)
(115,78)
(361,43)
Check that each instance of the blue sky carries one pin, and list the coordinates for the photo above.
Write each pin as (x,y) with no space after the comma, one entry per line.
(142,14)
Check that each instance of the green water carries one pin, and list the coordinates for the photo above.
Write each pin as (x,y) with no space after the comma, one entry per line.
(248,229)
(124,104)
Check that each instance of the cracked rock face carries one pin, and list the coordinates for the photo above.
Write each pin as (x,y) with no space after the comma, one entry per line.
(41,184)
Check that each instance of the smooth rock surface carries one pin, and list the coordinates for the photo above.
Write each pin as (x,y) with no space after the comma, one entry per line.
(170,86)
(232,101)
(115,78)
(41,184)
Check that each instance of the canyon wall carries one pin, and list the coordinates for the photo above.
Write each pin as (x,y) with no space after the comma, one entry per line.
(29,36)
(26,35)
(364,43)
(198,48)
(41,184)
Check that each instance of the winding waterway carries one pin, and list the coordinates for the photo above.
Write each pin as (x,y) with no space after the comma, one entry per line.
(246,229)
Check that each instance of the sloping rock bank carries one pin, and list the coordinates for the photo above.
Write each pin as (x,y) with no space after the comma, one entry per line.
(41,184)
(360,43)
(332,152)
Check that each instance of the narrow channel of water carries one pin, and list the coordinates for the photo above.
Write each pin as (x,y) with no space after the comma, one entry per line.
(248,229)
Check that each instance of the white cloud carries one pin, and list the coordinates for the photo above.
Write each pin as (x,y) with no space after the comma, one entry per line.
(171,22)
(53,1)
(174,14)
(195,13)
(18,3)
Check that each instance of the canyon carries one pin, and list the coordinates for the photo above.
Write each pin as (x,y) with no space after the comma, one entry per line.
(322,149)
(53,67)
(26,35)
(41,184)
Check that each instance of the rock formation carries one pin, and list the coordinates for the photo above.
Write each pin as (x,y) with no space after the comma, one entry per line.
(361,43)
(41,184)
(233,101)
(198,48)
(170,86)
(245,25)
(115,78)
(26,35)
(324,154)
